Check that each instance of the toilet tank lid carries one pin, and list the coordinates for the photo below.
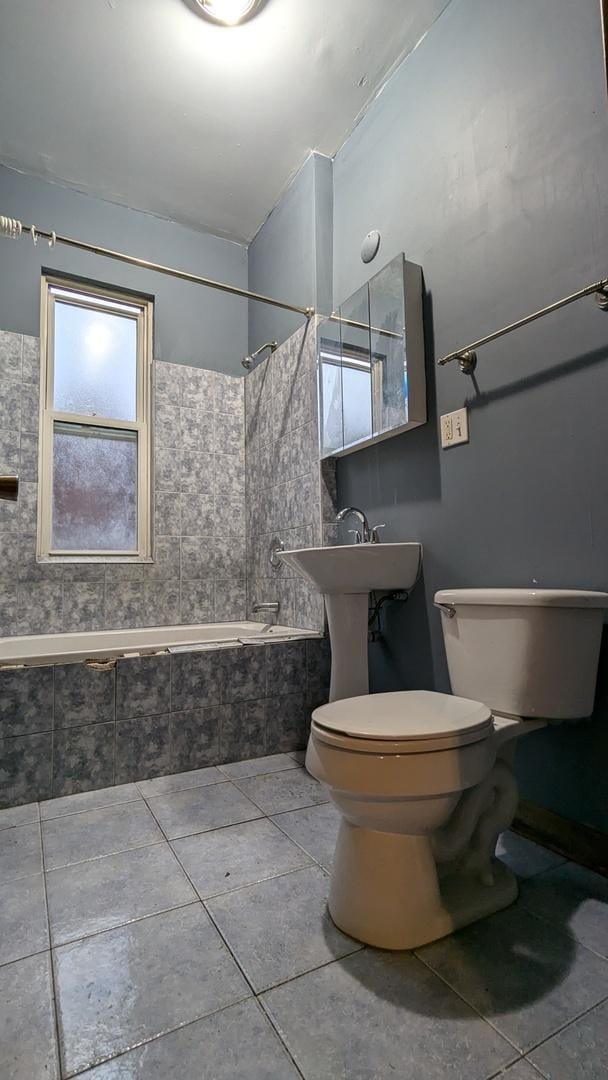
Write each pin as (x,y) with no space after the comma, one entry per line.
(577,598)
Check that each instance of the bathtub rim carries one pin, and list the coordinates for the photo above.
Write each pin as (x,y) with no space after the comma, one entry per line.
(33,650)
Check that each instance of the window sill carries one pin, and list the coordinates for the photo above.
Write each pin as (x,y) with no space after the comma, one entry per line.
(87,560)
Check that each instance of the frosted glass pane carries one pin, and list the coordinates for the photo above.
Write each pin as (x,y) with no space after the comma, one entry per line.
(94,489)
(95,363)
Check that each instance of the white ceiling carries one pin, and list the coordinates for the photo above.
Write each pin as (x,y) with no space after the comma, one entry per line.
(145,103)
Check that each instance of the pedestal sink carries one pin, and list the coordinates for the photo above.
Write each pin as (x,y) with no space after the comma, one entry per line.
(346,575)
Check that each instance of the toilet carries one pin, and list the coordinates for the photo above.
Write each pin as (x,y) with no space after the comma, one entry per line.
(424,781)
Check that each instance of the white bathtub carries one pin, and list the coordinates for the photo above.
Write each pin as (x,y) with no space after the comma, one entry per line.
(105,644)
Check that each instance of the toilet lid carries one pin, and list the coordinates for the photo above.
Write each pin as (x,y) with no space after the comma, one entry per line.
(411,717)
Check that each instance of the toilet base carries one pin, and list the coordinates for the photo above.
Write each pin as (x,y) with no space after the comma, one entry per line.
(385,890)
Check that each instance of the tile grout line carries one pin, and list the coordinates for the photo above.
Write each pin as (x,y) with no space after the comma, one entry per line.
(232,953)
(567,1024)
(57,1055)
(105,855)
(473,1008)
(563,929)
(152,1038)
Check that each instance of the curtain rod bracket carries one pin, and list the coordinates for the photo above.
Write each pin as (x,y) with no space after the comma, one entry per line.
(601,298)
(467,361)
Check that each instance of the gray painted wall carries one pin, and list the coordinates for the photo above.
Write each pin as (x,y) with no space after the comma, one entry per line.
(193,325)
(485,159)
(291,256)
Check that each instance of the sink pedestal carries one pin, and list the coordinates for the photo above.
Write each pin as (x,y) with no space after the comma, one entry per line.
(347,619)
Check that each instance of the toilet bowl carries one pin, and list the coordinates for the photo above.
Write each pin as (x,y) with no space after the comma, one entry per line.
(424,781)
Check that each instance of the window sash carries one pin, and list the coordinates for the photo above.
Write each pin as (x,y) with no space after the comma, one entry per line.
(55,290)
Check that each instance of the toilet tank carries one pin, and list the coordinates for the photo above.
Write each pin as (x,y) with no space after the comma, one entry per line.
(525,652)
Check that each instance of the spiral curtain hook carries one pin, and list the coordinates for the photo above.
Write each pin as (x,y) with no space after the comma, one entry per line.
(10,227)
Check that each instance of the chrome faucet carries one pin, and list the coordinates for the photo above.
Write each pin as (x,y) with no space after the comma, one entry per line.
(271,606)
(365,535)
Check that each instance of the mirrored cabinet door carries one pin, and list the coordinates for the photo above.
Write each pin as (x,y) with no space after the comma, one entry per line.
(371,362)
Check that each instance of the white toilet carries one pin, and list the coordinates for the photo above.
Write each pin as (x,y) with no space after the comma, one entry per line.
(424,781)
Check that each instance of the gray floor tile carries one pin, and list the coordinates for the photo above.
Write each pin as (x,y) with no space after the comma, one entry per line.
(315,828)
(273,763)
(281,928)
(19,815)
(94,833)
(96,895)
(20,852)
(88,800)
(162,785)
(226,859)
(28,1048)
(573,898)
(151,976)
(23,920)
(202,808)
(524,857)
(579,1052)
(380,1015)
(283,791)
(238,1043)
(298,755)
(527,977)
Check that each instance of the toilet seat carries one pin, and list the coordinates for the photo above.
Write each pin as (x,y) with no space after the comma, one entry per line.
(402,722)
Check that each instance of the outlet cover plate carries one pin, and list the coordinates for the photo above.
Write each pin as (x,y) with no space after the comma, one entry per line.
(454,428)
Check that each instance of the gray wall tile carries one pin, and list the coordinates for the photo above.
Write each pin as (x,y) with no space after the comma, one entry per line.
(143,686)
(244,672)
(26,700)
(287,722)
(83,758)
(197,679)
(25,769)
(285,667)
(143,749)
(197,600)
(197,473)
(243,731)
(83,695)
(195,738)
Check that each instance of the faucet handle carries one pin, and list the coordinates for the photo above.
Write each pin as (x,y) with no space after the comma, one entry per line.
(375,537)
(356,534)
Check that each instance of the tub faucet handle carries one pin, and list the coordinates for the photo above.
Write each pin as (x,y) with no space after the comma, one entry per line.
(375,537)
(356,534)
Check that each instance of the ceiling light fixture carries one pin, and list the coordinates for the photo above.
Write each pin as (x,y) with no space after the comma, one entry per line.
(228,12)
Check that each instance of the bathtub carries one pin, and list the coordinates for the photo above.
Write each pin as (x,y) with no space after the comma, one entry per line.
(79,712)
(108,644)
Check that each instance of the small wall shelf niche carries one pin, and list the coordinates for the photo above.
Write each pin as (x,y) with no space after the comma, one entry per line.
(371,362)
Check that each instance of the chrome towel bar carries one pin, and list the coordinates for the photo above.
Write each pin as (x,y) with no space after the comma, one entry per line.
(467,357)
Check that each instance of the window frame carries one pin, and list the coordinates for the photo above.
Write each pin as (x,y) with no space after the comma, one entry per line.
(94,297)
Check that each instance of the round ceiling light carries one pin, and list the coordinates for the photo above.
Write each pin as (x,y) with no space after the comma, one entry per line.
(228,12)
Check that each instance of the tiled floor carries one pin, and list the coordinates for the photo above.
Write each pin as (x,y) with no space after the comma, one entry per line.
(178,928)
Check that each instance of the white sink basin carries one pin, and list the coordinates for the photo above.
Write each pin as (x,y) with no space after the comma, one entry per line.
(357,568)
(346,575)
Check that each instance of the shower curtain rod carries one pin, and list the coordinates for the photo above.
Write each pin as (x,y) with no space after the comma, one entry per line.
(13,229)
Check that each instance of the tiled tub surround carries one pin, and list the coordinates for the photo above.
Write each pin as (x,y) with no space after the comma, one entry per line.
(198,573)
(73,728)
(214,886)
(289,495)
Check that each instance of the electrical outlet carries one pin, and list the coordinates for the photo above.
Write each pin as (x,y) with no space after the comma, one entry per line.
(454,428)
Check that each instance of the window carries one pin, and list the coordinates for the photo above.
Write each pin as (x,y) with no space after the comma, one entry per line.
(94,497)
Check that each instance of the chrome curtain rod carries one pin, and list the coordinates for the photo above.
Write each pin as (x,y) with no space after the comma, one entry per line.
(13,228)
(467,357)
